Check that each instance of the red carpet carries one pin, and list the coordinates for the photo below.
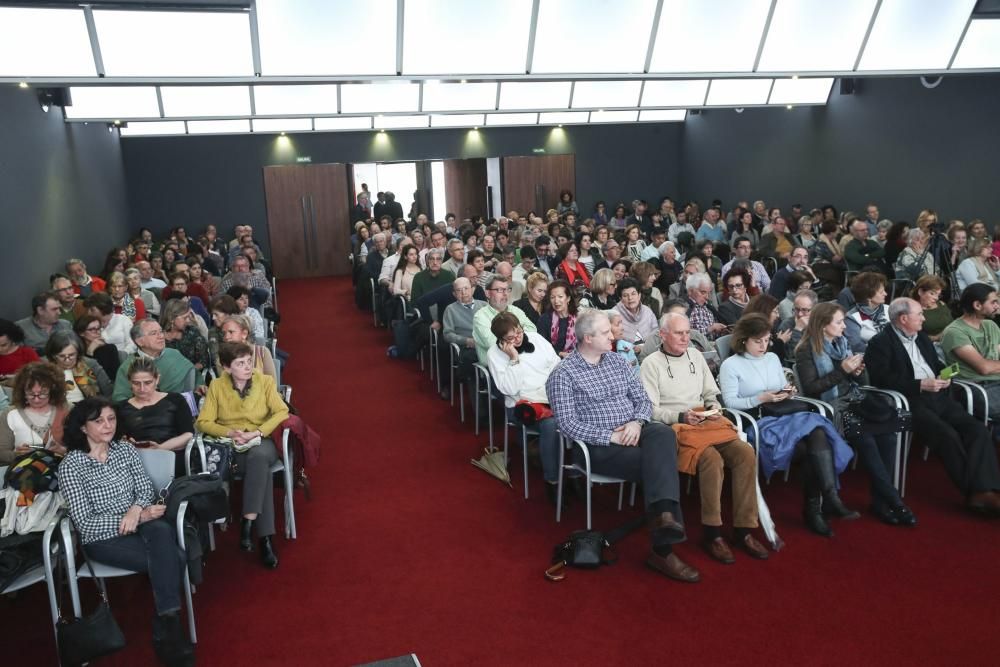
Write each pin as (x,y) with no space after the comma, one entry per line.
(406,547)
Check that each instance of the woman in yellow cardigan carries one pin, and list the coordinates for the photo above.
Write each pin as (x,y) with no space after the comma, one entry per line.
(244,405)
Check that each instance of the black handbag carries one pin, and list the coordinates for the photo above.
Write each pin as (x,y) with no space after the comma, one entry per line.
(859,418)
(584,549)
(82,640)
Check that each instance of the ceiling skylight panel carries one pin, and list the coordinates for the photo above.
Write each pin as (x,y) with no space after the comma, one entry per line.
(113,102)
(464,37)
(738,92)
(327,37)
(596,94)
(219,126)
(981,45)
(663,115)
(379,97)
(563,117)
(613,116)
(915,34)
(349,123)
(201,101)
(716,36)
(459,96)
(153,128)
(681,93)
(44,42)
(295,100)
(534,94)
(262,125)
(400,122)
(512,119)
(801,91)
(152,43)
(572,36)
(458,120)
(842,24)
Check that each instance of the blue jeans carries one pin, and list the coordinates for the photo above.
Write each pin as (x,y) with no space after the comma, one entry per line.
(548,445)
(152,549)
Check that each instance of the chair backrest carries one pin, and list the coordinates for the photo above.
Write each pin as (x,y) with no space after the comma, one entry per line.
(159,465)
(723,344)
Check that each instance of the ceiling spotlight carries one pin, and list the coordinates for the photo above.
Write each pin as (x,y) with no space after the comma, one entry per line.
(788,106)
(118,123)
(22,84)
(282,134)
(381,131)
(738,109)
(476,128)
(560,125)
(795,77)
(463,81)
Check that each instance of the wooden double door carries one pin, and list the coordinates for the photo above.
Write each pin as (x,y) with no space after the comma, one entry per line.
(533,182)
(308,219)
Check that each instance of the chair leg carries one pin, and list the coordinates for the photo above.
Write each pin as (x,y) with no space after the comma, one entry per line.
(477,399)
(631,500)
(524,453)
(589,486)
(621,495)
(290,528)
(559,485)
(461,400)
(489,417)
(190,606)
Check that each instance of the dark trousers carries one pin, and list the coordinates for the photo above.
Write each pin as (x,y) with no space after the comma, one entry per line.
(963,442)
(878,454)
(258,484)
(152,549)
(653,462)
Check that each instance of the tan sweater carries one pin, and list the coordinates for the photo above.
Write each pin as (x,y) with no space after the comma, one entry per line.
(685,390)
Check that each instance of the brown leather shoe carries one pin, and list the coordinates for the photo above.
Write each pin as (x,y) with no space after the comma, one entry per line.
(667,526)
(986,502)
(750,544)
(673,567)
(720,551)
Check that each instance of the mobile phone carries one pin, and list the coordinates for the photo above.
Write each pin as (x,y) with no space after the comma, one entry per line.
(948,372)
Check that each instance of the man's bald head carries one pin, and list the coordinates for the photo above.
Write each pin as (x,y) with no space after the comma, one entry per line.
(505,269)
(462,289)
(675,332)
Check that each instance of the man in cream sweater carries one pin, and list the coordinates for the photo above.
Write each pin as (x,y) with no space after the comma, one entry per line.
(680,385)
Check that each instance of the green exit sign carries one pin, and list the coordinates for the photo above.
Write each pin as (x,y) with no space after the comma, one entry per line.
(304,159)
(537,150)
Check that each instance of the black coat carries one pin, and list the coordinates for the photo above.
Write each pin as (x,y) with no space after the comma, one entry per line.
(889,366)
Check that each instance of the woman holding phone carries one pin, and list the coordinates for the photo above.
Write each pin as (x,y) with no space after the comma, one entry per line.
(829,371)
(35,418)
(753,379)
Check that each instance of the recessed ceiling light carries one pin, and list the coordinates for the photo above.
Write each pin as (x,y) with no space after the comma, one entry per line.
(23,84)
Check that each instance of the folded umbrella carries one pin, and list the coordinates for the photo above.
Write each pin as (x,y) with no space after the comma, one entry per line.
(493,463)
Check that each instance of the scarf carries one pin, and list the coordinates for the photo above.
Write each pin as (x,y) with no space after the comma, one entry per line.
(86,380)
(127,306)
(833,351)
(877,315)
(579,274)
(570,331)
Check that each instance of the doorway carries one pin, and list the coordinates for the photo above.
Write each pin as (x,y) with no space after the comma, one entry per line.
(399,178)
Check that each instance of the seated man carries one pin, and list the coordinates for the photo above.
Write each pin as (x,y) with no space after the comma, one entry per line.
(498,294)
(456,325)
(177,374)
(83,283)
(597,399)
(432,277)
(680,384)
(456,256)
(506,270)
(70,306)
(862,253)
(703,315)
(612,252)
(973,342)
(902,357)
(521,272)
(798,260)
(44,321)
(802,306)
(241,273)
(146,274)
(742,250)
(777,243)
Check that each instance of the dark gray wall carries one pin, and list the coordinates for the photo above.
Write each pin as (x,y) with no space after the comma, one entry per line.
(62,194)
(196,180)
(893,141)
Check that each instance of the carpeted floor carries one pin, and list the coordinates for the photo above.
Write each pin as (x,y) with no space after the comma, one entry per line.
(406,547)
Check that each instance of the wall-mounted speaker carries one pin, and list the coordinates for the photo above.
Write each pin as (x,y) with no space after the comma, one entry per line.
(848,86)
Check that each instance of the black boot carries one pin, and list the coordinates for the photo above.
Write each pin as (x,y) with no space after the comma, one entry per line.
(246,535)
(267,555)
(826,477)
(170,643)
(812,509)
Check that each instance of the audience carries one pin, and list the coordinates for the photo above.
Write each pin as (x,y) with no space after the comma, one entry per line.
(937,315)
(557,324)
(869,315)
(498,293)
(45,319)
(114,327)
(35,417)
(89,330)
(177,374)
(13,354)
(638,321)
(973,342)
(83,377)
(236,329)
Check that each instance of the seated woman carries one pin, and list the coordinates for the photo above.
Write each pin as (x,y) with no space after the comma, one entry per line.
(241,295)
(637,319)
(113,506)
(181,287)
(244,405)
(753,377)
(122,301)
(798,281)
(180,333)
(520,364)
(735,284)
(83,376)
(115,328)
(634,245)
(829,371)
(571,269)
(199,276)
(603,290)
(236,329)
(645,275)
(982,266)
(914,261)
(937,314)
(34,419)
(133,281)
(533,301)
(869,314)
(13,355)
(621,346)
(408,267)
(621,268)
(88,329)
(558,322)
(767,305)
(153,418)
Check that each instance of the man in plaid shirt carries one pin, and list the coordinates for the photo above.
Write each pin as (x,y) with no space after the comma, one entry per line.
(597,399)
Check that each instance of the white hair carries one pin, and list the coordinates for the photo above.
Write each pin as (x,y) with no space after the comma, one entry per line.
(696,280)
(587,321)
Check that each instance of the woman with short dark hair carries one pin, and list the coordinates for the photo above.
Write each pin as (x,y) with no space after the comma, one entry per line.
(13,354)
(34,419)
(83,376)
(558,323)
(869,314)
(113,507)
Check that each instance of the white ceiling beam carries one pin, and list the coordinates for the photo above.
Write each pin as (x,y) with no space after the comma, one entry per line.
(400,10)
(254,38)
(654,29)
(532,30)
(159,102)
(763,35)
(868,33)
(95,44)
(961,38)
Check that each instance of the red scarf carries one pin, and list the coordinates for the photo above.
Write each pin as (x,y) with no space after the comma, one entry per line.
(573,275)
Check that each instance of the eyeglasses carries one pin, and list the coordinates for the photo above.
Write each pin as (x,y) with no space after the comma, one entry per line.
(96,329)
(38,395)
(66,357)
(735,286)
(514,336)
(500,290)
(691,368)
(803,310)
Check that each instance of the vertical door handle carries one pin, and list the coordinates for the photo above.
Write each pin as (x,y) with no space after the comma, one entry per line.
(314,255)
(305,226)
